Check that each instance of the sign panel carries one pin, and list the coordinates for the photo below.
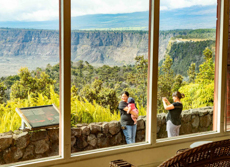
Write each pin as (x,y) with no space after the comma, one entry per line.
(39,116)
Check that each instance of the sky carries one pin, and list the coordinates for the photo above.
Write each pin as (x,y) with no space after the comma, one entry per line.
(44,10)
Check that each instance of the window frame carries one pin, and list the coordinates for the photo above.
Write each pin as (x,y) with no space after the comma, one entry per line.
(151,142)
(220,90)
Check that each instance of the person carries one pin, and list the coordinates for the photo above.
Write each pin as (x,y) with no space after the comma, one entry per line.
(132,107)
(173,120)
(127,124)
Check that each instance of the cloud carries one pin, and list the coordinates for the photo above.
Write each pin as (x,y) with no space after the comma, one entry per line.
(29,10)
(43,10)
(170,4)
(204,12)
(108,6)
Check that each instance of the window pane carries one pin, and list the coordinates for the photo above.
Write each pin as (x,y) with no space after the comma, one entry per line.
(109,56)
(29,65)
(187,43)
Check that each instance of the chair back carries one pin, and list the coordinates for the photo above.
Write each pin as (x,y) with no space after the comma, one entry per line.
(215,154)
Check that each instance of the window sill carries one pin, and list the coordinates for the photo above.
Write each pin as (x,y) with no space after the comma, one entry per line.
(188,138)
(103,152)
(110,151)
(40,161)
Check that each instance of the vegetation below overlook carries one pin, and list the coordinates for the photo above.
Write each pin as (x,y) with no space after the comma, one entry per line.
(95,92)
(198,33)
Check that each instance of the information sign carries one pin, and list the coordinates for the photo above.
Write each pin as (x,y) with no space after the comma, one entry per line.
(39,116)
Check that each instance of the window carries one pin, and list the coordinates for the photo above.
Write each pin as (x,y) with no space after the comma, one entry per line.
(187,51)
(109,55)
(29,78)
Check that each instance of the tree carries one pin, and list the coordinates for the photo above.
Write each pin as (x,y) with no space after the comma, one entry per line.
(139,79)
(207,69)
(207,54)
(2,93)
(100,94)
(200,93)
(28,84)
(191,73)
(178,82)
(82,74)
(53,72)
(10,80)
(165,82)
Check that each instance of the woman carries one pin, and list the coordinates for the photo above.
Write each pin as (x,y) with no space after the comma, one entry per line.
(173,117)
(127,123)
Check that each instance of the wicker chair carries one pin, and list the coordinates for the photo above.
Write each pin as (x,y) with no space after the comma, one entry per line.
(208,155)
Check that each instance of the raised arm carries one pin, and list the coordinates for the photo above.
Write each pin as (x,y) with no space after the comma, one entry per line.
(167,106)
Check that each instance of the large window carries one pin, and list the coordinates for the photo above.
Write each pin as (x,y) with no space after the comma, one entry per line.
(187,51)
(29,78)
(109,55)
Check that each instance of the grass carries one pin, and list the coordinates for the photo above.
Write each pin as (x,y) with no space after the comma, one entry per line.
(81,111)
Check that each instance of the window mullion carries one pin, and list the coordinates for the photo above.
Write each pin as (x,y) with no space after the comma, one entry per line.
(65,126)
(223,52)
(154,67)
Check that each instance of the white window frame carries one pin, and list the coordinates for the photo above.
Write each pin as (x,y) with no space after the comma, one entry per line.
(152,142)
(221,89)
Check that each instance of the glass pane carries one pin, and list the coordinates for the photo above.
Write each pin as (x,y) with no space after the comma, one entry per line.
(109,56)
(187,43)
(29,65)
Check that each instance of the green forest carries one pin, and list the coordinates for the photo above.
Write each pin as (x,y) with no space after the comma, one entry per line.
(96,91)
(184,53)
(209,34)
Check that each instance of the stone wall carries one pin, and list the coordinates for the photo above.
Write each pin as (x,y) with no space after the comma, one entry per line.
(192,121)
(19,146)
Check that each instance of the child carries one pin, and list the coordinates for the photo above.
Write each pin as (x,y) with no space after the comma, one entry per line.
(132,106)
